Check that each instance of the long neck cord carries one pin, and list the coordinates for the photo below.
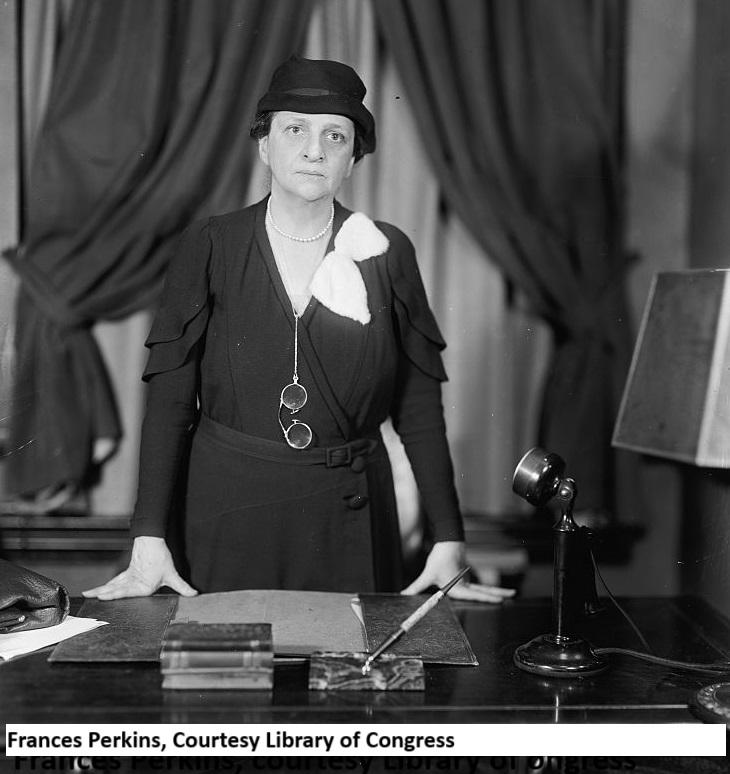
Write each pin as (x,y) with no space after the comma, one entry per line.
(295,375)
(294,297)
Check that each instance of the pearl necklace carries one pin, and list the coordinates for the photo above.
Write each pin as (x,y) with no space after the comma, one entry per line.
(297,238)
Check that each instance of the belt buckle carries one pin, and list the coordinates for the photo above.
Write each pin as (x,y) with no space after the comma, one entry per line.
(336,456)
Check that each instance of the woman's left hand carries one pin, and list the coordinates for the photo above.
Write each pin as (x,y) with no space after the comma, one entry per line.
(444,561)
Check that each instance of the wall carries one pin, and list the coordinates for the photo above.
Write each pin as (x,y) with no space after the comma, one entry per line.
(706,536)
(678,200)
(659,157)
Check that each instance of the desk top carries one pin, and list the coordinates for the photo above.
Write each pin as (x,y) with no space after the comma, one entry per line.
(35,691)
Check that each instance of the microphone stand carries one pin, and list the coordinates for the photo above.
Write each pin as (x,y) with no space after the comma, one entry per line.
(561,653)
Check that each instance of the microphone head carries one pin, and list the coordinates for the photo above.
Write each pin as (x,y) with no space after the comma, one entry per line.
(538,475)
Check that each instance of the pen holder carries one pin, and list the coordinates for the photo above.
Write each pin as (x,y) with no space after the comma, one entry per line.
(333,671)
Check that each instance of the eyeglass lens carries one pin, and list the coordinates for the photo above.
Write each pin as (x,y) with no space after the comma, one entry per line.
(293,396)
(298,435)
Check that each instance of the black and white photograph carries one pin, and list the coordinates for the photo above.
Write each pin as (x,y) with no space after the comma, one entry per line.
(365,386)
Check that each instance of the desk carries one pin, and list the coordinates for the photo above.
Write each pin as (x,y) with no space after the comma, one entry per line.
(33,690)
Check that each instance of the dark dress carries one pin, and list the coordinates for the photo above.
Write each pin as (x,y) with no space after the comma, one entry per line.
(258,514)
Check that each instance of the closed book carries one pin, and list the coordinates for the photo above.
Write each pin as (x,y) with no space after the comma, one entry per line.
(250,679)
(221,656)
(218,636)
(216,659)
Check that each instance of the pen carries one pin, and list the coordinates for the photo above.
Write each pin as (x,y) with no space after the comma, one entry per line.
(413,619)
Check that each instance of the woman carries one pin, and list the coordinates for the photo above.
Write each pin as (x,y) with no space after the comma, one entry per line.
(288,332)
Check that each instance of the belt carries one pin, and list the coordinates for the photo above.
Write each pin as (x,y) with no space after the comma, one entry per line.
(329,456)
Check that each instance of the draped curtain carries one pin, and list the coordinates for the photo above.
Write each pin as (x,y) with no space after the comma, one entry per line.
(519,103)
(146,128)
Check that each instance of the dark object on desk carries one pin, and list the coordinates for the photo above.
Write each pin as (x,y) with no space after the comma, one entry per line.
(539,477)
(217,656)
(344,672)
(437,639)
(135,630)
(29,600)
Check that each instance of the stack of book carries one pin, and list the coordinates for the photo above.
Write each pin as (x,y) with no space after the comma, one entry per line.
(220,656)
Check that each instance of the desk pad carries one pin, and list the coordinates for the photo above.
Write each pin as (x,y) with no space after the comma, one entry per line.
(134,632)
(302,622)
(437,639)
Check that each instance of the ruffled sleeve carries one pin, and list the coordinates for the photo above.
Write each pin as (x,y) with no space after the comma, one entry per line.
(417,408)
(419,333)
(184,308)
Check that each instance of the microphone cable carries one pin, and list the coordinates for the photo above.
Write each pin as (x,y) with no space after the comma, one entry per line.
(714,668)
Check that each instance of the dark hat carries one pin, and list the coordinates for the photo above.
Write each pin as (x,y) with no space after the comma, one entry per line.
(320,86)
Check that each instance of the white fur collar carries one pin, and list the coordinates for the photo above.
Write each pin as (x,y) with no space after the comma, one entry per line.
(337,283)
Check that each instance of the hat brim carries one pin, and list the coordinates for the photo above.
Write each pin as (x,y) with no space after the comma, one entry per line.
(338,104)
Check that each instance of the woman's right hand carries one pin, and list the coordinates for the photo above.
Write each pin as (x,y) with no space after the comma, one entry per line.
(150,567)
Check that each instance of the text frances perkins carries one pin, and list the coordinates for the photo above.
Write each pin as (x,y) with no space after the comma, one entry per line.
(223,742)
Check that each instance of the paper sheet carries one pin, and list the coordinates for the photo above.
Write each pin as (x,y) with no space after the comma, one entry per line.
(302,621)
(19,643)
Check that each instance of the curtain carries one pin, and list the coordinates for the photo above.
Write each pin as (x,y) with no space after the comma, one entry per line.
(9,206)
(146,129)
(42,27)
(519,103)
(497,352)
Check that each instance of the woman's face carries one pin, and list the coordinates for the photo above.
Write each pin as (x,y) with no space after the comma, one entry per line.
(309,155)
